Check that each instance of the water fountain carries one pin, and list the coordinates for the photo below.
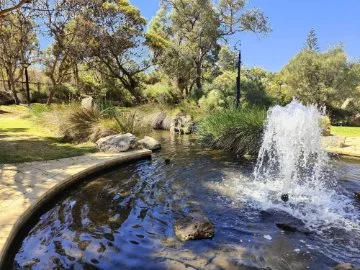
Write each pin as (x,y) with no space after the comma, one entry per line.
(293,167)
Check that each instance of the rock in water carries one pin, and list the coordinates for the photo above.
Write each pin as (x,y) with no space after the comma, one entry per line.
(150,143)
(357,195)
(182,124)
(117,143)
(167,161)
(286,227)
(285,197)
(194,227)
(345,266)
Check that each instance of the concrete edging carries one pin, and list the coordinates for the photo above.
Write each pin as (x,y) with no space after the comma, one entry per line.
(60,187)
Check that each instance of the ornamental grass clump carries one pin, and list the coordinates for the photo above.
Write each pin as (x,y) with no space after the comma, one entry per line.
(235,130)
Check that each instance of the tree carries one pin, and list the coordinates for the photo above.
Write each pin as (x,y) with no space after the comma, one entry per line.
(312,42)
(10,6)
(60,59)
(18,43)
(191,30)
(112,41)
(227,58)
(324,78)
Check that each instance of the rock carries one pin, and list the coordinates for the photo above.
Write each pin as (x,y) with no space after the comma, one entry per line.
(6,98)
(285,197)
(117,143)
(167,161)
(286,227)
(194,227)
(88,103)
(182,124)
(345,266)
(357,195)
(150,143)
(355,120)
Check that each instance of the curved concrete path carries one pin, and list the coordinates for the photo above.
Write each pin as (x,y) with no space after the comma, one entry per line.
(23,186)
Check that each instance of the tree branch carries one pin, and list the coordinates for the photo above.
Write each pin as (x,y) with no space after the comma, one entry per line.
(4,12)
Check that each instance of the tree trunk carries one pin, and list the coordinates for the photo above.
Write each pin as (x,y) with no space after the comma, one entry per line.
(51,96)
(12,88)
(198,77)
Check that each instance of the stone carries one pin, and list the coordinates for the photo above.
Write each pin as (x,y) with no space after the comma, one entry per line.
(345,266)
(355,120)
(117,143)
(150,143)
(194,227)
(6,98)
(357,195)
(182,124)
(88,103)
(286,227)
(167,160)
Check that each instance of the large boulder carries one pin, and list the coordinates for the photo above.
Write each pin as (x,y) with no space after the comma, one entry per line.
(150,143)
(6,98)
(88,103)
(117,143)
(182,124)
(194,227)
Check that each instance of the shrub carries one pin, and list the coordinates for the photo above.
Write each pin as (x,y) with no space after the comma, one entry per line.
(161,93)
(238,131)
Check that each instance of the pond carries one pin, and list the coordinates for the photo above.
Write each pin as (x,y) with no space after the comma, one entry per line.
(124,219)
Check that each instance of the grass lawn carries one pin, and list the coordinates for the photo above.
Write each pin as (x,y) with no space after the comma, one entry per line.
(22,140)
(346,131)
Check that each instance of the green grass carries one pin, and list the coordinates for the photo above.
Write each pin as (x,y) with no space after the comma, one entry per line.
(346,131)
(22,139)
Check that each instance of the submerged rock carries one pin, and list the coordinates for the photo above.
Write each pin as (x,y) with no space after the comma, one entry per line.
(167,161)
(345,266)
(150,143)
(286,227)
(357,195)
(194,227)
(117,143)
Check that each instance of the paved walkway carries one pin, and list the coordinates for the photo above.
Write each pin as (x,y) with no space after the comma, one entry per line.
(345,146)
(23,185)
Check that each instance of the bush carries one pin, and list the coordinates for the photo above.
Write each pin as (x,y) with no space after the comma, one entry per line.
(238,131)
(161,93)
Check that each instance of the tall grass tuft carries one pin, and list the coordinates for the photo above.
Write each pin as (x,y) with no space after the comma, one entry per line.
(239,131)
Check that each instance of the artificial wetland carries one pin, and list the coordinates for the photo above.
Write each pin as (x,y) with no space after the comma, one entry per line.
(294,208)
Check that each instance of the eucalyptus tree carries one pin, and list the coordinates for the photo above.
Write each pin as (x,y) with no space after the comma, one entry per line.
(61,57)
(190,30)
(8,6)
(327,78)
(112,40)
(18,44)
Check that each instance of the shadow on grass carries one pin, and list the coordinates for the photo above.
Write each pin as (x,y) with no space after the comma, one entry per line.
(37,149)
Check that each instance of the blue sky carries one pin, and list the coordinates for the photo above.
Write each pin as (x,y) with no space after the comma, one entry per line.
(334,21)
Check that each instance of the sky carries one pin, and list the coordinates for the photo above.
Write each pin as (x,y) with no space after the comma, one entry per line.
(334,21)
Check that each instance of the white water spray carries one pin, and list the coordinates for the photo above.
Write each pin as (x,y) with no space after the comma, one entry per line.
(291,151)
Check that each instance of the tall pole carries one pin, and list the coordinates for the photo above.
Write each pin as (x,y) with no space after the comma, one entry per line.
(238,84)
(27,86)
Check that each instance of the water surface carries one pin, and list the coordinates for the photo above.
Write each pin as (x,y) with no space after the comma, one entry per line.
(124,219)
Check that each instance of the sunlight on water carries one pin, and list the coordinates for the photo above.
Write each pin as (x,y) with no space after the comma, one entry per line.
(292,161)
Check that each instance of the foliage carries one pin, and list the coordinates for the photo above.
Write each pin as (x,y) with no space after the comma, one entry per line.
(324,78)
(18,43)
(238,131)
(221,92)
(312,42)
(184,37)
(161,93)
